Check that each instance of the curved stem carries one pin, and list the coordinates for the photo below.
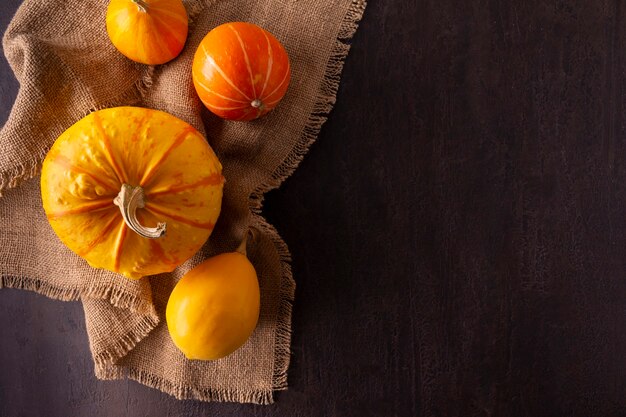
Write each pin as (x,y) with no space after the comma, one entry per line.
(129,200)
(142,5)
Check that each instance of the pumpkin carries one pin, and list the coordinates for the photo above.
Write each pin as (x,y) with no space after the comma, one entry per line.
(240,71)
(147,31)
(214,308)
(132,190)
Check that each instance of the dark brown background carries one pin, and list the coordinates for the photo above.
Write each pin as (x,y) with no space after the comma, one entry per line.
(458,231)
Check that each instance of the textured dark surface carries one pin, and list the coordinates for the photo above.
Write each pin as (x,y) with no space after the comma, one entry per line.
(458,231)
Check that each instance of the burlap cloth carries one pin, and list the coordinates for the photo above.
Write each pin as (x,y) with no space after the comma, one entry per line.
(67,67)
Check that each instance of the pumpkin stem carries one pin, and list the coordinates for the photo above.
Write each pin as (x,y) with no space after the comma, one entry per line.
(129,200)
(142,5)
(257,104)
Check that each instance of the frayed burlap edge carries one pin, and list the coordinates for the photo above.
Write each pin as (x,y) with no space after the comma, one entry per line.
(117,298)
(182,392)
(282,339)
(127,343)
(104,369)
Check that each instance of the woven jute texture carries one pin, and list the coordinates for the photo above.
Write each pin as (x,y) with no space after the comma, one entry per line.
(67,67)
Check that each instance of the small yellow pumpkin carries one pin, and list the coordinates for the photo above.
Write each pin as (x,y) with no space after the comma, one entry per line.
(148,31)
(214,308)
(132,190)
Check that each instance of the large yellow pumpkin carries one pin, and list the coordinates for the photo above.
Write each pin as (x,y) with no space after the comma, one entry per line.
(132,190)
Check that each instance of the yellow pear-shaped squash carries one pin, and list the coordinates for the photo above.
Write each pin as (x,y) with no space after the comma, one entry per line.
(214,308)
(132,190)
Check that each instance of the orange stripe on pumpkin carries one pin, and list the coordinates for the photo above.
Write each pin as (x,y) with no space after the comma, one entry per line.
(119,245)
(119,171)
(160,254)
(181,219)
(67,164)
(156,40)
(156,252)
(155,167)
(214,179)
(166,29)
(101,237)
(84,208)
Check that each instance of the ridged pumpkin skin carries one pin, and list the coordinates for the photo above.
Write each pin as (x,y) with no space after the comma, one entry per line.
(177,169)
(151,32)
(214,308)
(240,71)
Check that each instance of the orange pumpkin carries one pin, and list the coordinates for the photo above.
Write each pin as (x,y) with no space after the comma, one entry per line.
(132,190)
(240,71)
(151,32)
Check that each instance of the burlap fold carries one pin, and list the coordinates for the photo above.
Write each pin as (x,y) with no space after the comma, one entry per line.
(67,67)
